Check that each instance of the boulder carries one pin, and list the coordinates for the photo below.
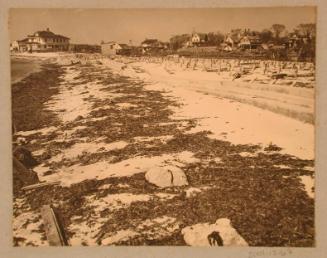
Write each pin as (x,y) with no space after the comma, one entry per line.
(25,157)
(220,233)
(22,176)
(167,176)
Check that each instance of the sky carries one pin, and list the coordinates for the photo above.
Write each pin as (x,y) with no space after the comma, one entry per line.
(91,26)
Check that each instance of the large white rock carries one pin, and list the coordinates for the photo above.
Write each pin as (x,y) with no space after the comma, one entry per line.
(166,176)
(197,235)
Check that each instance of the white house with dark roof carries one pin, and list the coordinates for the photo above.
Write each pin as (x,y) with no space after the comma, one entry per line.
(42,41)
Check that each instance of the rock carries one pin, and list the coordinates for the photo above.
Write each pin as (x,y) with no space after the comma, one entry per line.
(236,76)
(25,157)
(167,176)
(22,176)
(219,234)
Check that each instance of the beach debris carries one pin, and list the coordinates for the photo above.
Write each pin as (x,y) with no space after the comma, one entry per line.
(25,157)
(22,176)
(236,76)
(53,228)
(279,76)
(220,233)
(39,185)
(167,176)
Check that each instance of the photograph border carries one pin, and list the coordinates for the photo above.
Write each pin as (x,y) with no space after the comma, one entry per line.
(6,247)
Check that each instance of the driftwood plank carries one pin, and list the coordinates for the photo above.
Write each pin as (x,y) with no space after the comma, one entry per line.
(53,230)
(35,186)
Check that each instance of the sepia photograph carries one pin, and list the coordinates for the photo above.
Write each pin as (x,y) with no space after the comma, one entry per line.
(163,126)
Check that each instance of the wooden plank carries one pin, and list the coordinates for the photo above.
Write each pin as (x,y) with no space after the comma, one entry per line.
(35,186)
(53,230)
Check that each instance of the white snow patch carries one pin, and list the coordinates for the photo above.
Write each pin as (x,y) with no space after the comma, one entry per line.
(43,131)
(247,154)
(23,227)
(165,196)
(104,169)
(282,166)
(119,236)
(88,147)
(40,170)
(163,138)
(308,182)
(115,201)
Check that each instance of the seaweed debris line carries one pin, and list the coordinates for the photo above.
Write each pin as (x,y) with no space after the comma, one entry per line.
(130,154)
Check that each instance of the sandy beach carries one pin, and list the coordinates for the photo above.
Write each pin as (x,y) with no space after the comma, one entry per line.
(97,126)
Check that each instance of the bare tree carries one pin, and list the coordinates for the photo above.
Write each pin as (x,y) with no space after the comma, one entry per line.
(278,29)
(307,29)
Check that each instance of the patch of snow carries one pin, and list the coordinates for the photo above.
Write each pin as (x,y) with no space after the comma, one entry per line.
(308,182)
(282,166)
(115,201)
(192,191)
(88,147)
(119,236)
(25,225)
(104,169)
(247,154)
(165,196)
(43,131)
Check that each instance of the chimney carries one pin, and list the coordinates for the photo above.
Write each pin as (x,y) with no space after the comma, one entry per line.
(48,29)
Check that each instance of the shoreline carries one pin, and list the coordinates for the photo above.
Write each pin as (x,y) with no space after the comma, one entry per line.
(33,67)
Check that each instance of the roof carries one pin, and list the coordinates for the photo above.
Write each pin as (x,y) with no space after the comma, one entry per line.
(109,43)
(47,34)
(124,46)
(23,40)
(149,41)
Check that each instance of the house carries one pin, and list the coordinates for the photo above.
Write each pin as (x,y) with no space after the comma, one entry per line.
(228,41)
(250,42)
(153,45)
(295,41)
(187,44)
(232,40)
(19,45)
(124,49)
(42,41)
(110,48)
(113,48)
(198,39)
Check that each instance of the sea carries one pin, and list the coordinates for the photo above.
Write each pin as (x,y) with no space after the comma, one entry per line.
(22,67)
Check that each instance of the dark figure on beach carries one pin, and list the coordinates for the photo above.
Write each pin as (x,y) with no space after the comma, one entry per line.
(215,239)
